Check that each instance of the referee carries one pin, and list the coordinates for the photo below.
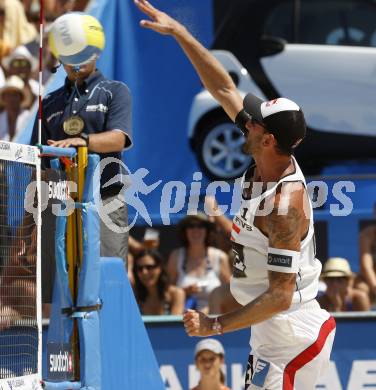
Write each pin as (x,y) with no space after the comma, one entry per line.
(90,110)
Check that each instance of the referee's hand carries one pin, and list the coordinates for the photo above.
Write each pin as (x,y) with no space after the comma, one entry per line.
(66,143)
(197,324)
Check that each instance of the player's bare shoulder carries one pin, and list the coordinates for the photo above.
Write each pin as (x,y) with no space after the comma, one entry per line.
(288,221)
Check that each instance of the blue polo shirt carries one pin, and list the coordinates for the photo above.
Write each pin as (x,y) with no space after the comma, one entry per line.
(102,104)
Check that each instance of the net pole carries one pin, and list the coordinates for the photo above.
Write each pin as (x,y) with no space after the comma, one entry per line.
(41,20)
(39,188)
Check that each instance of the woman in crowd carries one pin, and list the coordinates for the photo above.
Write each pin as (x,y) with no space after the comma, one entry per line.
(339,294)
(153,291)
(197,267)
(13,98)
(209,358)
(366,280)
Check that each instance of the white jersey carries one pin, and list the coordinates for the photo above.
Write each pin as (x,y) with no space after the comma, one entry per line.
(250,245)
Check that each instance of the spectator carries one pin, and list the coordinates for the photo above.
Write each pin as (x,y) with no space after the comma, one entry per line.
(153,291)
(4,47)
(221,300)
(17,284)
(13,97)
(366,281)
(134,248)
(22,64)
(339,294)
(61,7)
(209,358)
(223,225)
(15,30)
(197,267)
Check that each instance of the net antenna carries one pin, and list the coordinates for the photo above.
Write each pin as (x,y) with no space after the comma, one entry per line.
(41,29)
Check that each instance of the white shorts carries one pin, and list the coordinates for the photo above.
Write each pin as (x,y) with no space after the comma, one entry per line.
(291,350)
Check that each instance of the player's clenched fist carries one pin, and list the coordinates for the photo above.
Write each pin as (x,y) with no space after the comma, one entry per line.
(197,324)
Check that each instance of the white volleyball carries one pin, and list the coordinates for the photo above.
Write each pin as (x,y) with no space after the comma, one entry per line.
(76,38)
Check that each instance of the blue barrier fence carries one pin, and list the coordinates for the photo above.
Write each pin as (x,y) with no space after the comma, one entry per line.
(353,360)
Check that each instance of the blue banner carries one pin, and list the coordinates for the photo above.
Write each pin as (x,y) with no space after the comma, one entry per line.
(352,366)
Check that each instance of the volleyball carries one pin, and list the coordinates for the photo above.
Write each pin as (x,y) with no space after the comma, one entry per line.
(76,38)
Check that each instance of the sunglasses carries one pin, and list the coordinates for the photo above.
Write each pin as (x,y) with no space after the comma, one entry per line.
(148,267)
(243,128)
(196,226)
(21,63)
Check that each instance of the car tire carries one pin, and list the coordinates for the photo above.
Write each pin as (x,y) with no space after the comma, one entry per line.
(217,145)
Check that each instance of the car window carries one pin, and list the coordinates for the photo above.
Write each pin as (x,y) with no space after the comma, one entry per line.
(279,22)
(346,22)
(325,22)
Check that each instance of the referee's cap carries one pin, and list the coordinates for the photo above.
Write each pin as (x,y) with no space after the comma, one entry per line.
(282,117)
(212,345)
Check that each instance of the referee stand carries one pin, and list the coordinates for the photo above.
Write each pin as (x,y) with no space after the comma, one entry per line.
(96,338)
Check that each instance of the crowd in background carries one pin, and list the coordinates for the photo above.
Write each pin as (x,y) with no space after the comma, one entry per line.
(19,58)
(196,274)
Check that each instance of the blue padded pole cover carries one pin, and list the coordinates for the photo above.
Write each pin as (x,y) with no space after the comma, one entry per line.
(88,292)
(61,263)
(88,295)
(90,366)
(91,182)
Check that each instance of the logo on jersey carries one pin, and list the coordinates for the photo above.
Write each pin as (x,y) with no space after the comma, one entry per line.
(242,224)
(238,266)
(261,371)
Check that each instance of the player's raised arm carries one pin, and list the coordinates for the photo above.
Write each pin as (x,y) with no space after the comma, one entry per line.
(212,74)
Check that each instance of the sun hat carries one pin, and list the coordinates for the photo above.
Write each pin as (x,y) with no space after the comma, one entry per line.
(212,345)
(336,267)
(15,83)
(20,52)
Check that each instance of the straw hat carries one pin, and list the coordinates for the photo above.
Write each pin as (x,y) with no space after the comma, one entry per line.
(21,52)
(15,83)
(336,267)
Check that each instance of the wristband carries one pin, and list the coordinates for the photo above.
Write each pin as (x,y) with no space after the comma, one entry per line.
(85,137)
(217,326)
(283,260)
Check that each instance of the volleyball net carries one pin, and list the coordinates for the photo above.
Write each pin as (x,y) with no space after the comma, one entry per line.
(20,298)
